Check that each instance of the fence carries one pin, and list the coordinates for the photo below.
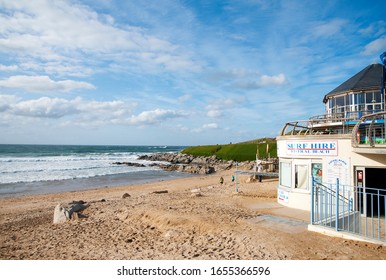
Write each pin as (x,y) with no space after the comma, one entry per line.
(370,131)
(356,210)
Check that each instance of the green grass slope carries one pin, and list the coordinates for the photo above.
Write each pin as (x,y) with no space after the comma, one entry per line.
(245,151)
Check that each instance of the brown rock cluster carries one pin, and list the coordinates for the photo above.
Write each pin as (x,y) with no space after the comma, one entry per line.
(191,164)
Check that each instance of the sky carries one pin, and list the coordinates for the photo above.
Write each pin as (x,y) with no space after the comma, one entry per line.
(190,72)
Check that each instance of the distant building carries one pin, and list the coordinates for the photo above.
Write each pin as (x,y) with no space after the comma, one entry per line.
(346,145)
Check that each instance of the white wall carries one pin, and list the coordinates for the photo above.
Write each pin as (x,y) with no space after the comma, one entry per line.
(338,164)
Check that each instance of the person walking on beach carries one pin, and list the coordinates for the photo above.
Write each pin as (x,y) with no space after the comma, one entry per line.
(232,180)
(259,170)
(221,180)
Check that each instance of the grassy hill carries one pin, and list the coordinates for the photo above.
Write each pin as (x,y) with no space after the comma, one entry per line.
(244,151)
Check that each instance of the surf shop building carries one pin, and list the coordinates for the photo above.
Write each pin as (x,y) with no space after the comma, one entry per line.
(334,165)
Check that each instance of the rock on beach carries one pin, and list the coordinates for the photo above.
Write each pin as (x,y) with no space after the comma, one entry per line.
(66,211)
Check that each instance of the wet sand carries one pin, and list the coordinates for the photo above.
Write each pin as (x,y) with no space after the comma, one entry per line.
(197,218)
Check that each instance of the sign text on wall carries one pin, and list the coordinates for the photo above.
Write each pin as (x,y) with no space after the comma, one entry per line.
(328,148)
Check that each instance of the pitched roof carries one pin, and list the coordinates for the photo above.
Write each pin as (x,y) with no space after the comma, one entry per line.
(367,79)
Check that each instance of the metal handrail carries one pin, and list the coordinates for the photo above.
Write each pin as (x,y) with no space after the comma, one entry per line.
(355,140)
(363,214)
(319,185)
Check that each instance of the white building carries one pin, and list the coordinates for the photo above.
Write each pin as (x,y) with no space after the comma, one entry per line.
(346,145)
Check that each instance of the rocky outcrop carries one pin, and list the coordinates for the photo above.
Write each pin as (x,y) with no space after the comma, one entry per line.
(191,164)
(188,163)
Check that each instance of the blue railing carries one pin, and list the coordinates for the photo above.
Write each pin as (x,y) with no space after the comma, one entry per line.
(355,210)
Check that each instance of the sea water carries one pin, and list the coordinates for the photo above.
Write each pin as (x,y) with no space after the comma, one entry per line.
(33,169)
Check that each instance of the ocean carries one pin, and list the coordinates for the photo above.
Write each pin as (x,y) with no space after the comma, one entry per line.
(38,169)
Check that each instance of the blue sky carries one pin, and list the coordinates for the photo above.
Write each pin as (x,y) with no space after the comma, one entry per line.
(175,72)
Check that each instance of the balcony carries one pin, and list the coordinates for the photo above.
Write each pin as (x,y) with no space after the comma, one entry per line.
(367,133)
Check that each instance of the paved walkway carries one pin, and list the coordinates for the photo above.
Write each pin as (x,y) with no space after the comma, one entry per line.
(280,218)
(283,211)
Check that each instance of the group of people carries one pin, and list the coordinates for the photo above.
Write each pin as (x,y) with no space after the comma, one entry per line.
(259,170)
(222,179)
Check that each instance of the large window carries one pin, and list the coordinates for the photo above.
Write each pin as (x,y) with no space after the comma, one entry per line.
(362,102)
(285,174)
(368,102)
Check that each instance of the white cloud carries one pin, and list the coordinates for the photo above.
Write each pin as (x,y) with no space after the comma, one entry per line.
(61,31)
(6,101)
(82,112)
(116,107)
(85,111)
(245,79)
(375,47)
(210,126)
(216,107)
(214,113)
(205,127)
(263,81)
(44,108)
(8,67)
(374,29)
(184,98)
(231,75)
(155,116)
(328,28)
(277,80)
(43,84)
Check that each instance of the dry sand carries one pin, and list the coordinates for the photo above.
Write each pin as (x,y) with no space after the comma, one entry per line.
(216,224)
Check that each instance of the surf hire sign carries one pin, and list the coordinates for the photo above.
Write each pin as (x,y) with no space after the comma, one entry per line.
(312,148)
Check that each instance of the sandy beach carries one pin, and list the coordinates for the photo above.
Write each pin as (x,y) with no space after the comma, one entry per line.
(197,218)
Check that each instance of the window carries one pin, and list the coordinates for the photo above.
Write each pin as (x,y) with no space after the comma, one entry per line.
(368,101)
(348,99)
(359,98)
(340,101)
(301,177)
(330,105)
(285,174)
(369,97)
(378,97)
